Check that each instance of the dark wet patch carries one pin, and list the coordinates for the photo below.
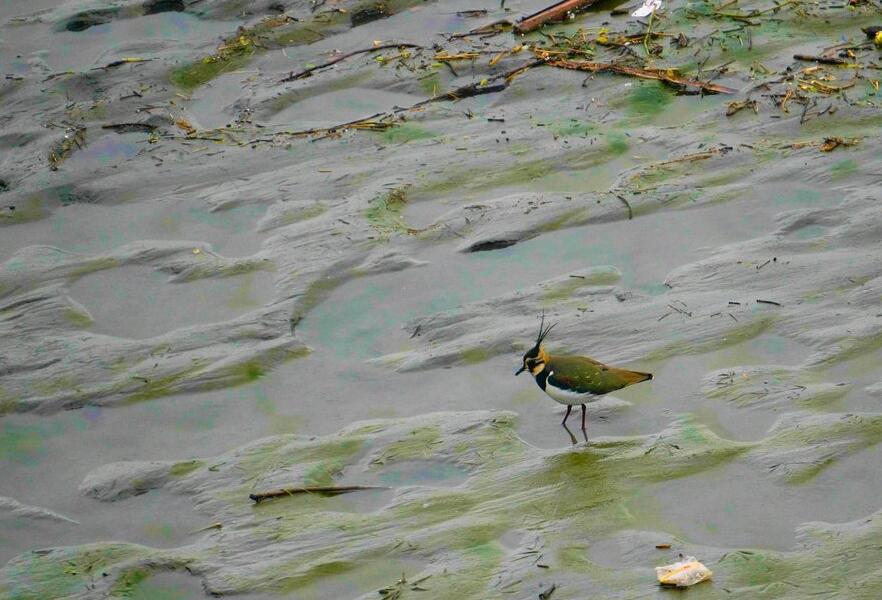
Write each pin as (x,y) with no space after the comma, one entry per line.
(368,13)
(488,245)
(160,6)
(88,19)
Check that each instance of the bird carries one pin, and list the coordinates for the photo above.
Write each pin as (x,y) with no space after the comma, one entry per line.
(574,380)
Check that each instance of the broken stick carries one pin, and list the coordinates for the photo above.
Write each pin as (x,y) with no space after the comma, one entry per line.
(326,490)
(551,14)
(824,60)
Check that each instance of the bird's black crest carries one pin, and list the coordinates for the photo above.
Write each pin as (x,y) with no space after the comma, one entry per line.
(543,331)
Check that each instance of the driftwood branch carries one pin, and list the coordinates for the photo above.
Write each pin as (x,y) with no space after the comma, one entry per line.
(375,122)
(324,490)
(308,72)
(824,60)
(477,89)
(551,14)
(663,75)
(490,29)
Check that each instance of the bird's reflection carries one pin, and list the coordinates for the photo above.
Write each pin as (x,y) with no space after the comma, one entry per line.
(573,437)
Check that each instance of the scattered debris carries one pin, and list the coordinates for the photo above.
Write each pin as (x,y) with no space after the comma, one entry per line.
(121,62)
(831,143)
(310,70)
(74,139)
(394,592)
(668,76)
(734,107)
(547,593)
(647,8)
(684,573)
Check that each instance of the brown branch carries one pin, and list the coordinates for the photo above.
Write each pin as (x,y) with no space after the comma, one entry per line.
(466,91)
(307,72)
(490,29)
(325,490)
(824,60)
(479,88)
(551,14)
(663,75)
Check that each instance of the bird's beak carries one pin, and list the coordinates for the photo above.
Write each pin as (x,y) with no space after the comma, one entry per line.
(521,370)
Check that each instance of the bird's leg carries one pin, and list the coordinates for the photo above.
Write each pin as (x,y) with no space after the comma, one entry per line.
(583,417)
(567,416)
(570,433)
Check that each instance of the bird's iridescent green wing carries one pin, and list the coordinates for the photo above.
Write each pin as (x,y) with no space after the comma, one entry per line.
(588,376)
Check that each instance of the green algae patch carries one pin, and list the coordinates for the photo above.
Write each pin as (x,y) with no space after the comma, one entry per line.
(299,214)
(58,385)
(184,468)
(560,291)
(63,572)
(573,127)
(431,84)
(418,444)
(157,387)
(553,498)
(844,168)
(24,443)
(834,560)
(77,318)
(772,387)
(237,51)
(617,143)
(385,213)
(191,76)
(30,209)
(742,331)
(802,445)
(127,582)
(474,356)
(271,33)
(648,99)
(541,173)
(207,374)
(406,132)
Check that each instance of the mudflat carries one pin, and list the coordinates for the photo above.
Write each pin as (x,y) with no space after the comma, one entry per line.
(247,247)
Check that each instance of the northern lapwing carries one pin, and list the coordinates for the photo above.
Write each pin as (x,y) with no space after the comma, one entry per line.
(574,380)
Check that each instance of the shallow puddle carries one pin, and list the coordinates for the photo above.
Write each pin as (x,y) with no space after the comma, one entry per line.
(421,473)
(711,508)
(168,586)
(140,303)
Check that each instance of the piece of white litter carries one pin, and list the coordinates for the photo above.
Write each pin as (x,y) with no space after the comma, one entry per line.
(649,7)
(684,573)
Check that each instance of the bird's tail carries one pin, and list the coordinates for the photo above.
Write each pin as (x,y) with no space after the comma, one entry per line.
(638,376)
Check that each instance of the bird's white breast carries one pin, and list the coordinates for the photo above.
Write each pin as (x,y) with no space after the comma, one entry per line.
(567,396)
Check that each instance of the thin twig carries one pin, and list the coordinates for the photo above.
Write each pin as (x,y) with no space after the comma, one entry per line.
(327,490)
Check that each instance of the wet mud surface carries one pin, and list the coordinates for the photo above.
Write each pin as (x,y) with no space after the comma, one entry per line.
(215,283)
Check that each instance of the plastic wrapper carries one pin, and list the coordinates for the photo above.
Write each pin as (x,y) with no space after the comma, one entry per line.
(684,573)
